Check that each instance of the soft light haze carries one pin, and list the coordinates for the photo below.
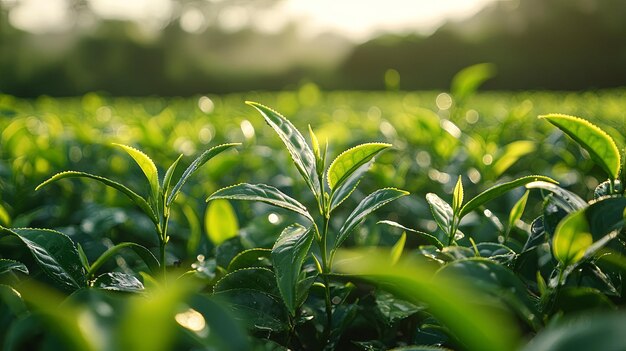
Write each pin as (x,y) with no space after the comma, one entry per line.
(358,20)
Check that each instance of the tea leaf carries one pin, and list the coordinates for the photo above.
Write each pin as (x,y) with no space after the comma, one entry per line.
(138,200)
(498,190)
(398,247)
(467,80)
(572,238)
(565,199)
(441,211)
(193,167)
(494,279)
(11,265)
(263,193)
(118,281)
(350,160)
(370,204)
(220,221)
(146,255)
(288,255)
(256,309)
(512,153)
(518,210)
(477,321)
(5,219)
(300,151)
(457,195)
(342,192)
(167,179)
(597,142)
(255,278)
(147,166)
(55,253)
(431,240)
(585,332)
(257,257)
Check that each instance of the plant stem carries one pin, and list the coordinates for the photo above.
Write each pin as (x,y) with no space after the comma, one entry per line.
(323,244)
(163,238)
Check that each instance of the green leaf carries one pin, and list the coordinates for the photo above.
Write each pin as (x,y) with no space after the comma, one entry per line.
(585,332)
(299,150)
(518,209)
(477,321)
(257,257)
(393,309)
(398,247)
(257,309)
(597,142)
(572,238)
(370,204)
(193,167)
(288,255)
(466,81)
(118,281)
(342,192)
(255,278)
(565,199)
(167,179)
(511,153)
(350,160)
(55,253)
(498,190)
(138,200)
(83,257)
(146,255)
(442,212)
(12,300)
(494,279)
(431,240)
(457,196)
(319,161)
(5,219)
(263,193)
(7,265)
(147,166)
(220,221)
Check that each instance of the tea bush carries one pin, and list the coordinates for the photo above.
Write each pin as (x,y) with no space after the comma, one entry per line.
(512,236)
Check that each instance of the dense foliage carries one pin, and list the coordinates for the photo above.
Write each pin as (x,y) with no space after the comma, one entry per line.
(511,236)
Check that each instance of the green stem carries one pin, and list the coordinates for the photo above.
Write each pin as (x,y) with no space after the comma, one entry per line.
(453,228)
(164,241)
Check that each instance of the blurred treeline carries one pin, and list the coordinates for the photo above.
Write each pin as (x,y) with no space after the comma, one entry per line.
(535,44)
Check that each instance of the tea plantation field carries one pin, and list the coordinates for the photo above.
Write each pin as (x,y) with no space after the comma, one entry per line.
(326,220)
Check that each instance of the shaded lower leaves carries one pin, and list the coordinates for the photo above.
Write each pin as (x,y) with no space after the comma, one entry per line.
(55,253)
(118,281)
(11,265)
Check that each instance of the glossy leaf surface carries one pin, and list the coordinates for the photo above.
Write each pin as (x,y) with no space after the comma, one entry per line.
(55,253)
(370,204)
(594,140)
(288,255)
(263,193)
(299,150)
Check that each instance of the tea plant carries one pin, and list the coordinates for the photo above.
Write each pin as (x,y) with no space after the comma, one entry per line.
(157,206)
(573,258)
(330,187)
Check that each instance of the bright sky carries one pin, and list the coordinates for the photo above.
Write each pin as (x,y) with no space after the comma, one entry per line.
(357,19)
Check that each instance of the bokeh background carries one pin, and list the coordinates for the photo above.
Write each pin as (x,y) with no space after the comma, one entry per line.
(186,47)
